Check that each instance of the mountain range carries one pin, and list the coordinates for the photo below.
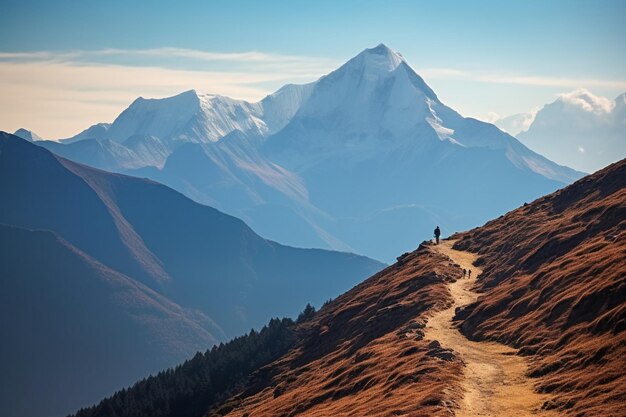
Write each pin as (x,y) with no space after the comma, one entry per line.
(579,129)
(106,278)
(366,159)
(552,288)
(108,274)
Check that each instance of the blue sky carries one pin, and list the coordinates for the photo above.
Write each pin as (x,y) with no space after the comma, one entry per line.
(67,64)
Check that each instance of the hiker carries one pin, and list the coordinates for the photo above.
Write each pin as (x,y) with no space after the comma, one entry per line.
(464,272)
(469,273)
(437,234)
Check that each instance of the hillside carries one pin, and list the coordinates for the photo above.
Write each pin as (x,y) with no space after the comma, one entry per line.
(67,319)
(554,286)
(364,346)
(224,278)
(544,336)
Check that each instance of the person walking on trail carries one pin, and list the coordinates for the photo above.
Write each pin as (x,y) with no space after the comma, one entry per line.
(469,273)
(437,234)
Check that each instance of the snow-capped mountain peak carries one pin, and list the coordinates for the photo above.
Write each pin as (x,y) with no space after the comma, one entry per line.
(378,81)
(376,66)
(374,95)
(158,117)
(377,104)
(194,117)
(378,60)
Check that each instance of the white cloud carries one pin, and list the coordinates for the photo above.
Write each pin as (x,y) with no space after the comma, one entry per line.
(588,101)
(530,118)
(516,123)
(167,56)
(492,116)
(59,94)
(531,80)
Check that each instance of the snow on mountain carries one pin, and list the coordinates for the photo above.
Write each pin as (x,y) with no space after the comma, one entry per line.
(367,158)
(29,135)
(149,130)
(135,152)
(377,102)
(193,117)
(97,131)
(159,117)
(580,129)
(377,83)
(278,108)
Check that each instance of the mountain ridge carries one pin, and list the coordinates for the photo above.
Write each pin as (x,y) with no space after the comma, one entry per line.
(214,275)
(118,318)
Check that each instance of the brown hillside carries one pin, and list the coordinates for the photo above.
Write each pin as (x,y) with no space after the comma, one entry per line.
(364,353)
(554,283)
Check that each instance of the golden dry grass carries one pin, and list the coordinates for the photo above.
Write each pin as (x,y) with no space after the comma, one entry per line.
(494,379)
(364,354)
(554,285)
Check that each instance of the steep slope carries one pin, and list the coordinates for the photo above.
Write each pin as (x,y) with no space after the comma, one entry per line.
(552,288)
(135,152)
(135,258)
(579,129)
(74,329)
(553,285)
(232,176)
(193,253)
(97,131)
(41,191)
(494,380)
(208,378)
(361,354)
(365,352)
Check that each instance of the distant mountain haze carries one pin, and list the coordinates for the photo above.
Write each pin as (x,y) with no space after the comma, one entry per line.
(75,329)
(365,159)
(122,266)
(578,129)
(29,135)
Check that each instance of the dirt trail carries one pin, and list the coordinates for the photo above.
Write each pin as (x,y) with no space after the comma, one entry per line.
(494,382)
